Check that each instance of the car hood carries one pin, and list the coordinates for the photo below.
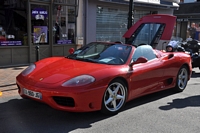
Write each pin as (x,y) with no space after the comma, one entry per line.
(64,69)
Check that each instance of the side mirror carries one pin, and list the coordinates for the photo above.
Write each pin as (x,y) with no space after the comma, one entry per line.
(71,50)
(139,60)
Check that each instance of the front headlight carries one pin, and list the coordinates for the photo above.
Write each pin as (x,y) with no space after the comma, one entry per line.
(79,81)
(28,70)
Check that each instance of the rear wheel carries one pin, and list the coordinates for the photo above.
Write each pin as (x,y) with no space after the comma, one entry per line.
(182,79)
(114,97)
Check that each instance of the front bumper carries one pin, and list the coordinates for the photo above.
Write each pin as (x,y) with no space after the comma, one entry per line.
(72,100)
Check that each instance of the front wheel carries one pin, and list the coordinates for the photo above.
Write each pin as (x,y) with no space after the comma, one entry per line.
(182,79)
(114,97)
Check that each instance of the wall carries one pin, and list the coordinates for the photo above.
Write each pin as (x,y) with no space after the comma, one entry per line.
(91,15)
(91,22)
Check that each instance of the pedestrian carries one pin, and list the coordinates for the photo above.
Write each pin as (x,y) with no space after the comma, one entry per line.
(198,32)
(191,31)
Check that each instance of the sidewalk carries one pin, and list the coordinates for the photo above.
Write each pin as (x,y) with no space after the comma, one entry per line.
(8,76)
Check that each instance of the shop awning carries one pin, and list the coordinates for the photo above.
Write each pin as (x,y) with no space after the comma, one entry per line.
(188,8)
(191,11)
(161,4)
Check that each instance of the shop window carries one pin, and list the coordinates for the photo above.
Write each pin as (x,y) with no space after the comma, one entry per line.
(13,23)
(39,24)
(64,24)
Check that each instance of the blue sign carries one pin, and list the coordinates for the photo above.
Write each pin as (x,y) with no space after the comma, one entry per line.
(39,12)
(10,43)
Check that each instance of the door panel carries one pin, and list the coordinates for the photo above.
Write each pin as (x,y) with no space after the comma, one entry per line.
(145,77)
(155,30)
(168,20)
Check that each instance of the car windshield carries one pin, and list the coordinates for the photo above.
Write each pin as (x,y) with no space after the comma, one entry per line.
(105,53)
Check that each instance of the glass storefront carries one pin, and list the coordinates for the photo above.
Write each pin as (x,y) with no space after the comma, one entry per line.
(13,23)
(64,24)
(25,24)
(39,24)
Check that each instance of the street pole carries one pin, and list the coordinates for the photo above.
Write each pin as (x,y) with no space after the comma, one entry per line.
(130,14)
(130,17)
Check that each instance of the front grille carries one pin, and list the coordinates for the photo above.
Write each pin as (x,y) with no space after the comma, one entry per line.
(64,101)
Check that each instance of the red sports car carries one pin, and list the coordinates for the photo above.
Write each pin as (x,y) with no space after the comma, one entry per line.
(104,76)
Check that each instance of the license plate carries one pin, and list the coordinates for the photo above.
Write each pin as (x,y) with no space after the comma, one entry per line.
(33,94)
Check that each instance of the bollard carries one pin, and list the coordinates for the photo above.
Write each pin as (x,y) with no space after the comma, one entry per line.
(37,48)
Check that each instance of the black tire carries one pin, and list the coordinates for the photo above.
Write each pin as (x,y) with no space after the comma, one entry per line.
(114,97)
(181,79)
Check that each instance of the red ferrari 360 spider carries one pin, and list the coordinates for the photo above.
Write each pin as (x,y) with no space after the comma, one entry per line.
(104,76)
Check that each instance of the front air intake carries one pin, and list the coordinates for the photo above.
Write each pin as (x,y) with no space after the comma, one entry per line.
(64,101)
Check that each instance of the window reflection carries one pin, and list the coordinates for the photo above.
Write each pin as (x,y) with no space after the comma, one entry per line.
(39,24)
(13,26)
(64,24)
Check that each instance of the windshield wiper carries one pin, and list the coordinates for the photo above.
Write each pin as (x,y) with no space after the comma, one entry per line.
(87,60)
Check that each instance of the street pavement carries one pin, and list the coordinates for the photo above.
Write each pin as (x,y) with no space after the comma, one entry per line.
(7,79)
(162,112)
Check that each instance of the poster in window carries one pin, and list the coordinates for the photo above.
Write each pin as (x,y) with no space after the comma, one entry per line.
(40,34)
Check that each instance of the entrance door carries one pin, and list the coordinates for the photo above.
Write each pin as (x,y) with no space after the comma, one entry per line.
(40,31)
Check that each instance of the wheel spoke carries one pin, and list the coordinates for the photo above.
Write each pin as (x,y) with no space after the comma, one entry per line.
(109,100)
(182,72)
(116,89)
(110,91)
(114,104)
(120,97)
(182,83)
(183,77)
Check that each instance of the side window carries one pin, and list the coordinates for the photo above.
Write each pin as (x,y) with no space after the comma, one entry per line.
(144,51)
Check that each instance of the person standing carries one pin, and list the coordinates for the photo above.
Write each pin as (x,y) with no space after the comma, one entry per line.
(191,31)
(198,32)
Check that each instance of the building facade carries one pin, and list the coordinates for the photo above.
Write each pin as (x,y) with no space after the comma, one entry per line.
(37,29)
(109,18)
(25,24)
(188,12)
